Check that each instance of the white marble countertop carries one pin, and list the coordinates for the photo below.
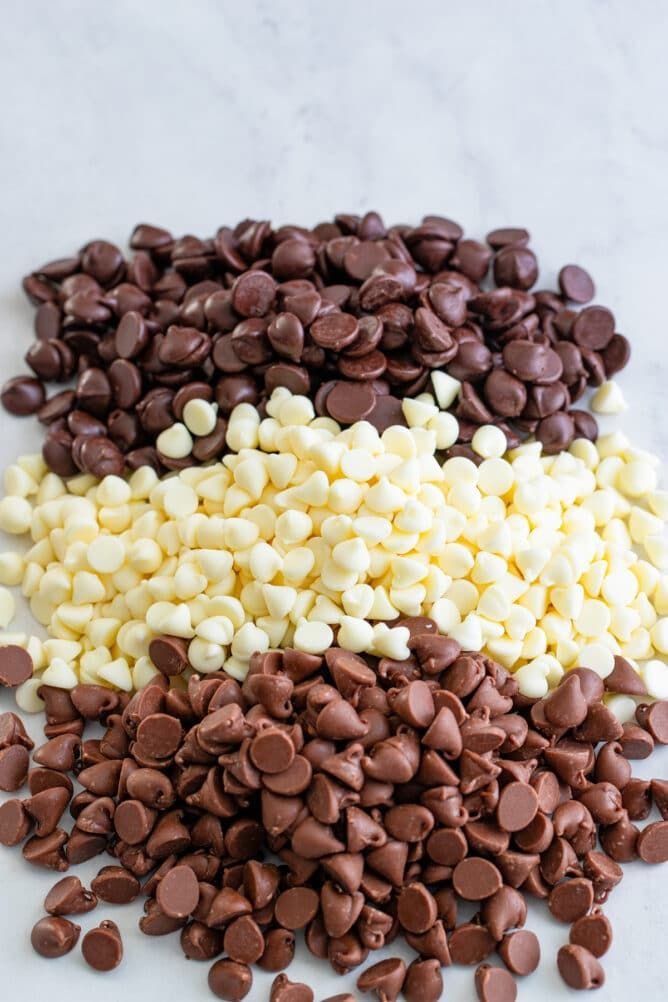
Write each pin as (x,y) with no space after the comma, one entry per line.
(535,113)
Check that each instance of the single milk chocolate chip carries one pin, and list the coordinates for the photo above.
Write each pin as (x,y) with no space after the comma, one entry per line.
(579,968)
(102,947)
(15,665)
(69,897)
(494,984)
(54,936)
(230,980)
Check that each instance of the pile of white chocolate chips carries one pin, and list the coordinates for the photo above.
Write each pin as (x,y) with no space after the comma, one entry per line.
(304,533)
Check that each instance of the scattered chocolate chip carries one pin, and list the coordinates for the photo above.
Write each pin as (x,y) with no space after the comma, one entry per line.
(230,980)
(102,947)
(54,936)
(579,968)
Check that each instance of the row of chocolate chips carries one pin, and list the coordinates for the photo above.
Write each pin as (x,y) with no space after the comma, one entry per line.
(388,790)
(351,306)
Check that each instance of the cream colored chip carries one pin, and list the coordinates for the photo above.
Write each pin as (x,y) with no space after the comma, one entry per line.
(106,554)
(7,608)
(446,388)
(175,442)
(15,515)
(489,442)
(608,399)
(313,637)
(199,417)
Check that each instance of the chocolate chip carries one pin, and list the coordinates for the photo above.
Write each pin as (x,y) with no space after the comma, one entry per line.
(230,980)
(15,822)
(494,984)
(593,328)
(169,654)
(579,968)
(23,395)
(350,402)
(54,937)
(296,907)
(520,951)
(102,947)
(244,941)
(283,990)
(15,665)
(593,932)
(424,981)
(14,765)
(178,892)
(653,843)
(510,235)
(475,879)
(115,885)
(576,284)
(69,897)
(384,978)
(515,266)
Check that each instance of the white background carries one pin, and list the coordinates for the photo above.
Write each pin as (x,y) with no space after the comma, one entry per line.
(193,114)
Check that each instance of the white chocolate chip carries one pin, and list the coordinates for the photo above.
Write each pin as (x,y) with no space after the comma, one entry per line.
(489,442)
(199,417)
(608,399)
(446,388)
(313,637)
(7,608)
(175,442)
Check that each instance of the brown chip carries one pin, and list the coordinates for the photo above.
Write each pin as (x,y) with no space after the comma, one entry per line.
(54,936)
(416,908)
(653,843)
(69,897)
(517,806)
(296,907)
(579,968)
(572,899)
(272,751)
(350,402)
(159,735)
(279,949)
(115,885)
(15,665)
(593,932)
(198,942)
(494,984)
(385,978)
(520,951)
(244,941)
(476,879)
(15,822)
(14,765)
(470,944)
(102,947)
(178,892)
(230,980)
(655,719)
(576,284)
(424,981)
(169,654)
(284,990)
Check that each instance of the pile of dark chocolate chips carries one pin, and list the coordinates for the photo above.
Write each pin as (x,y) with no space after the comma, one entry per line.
(350,302)
(354,799)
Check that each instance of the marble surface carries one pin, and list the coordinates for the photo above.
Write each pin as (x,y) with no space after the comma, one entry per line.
(548,115)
